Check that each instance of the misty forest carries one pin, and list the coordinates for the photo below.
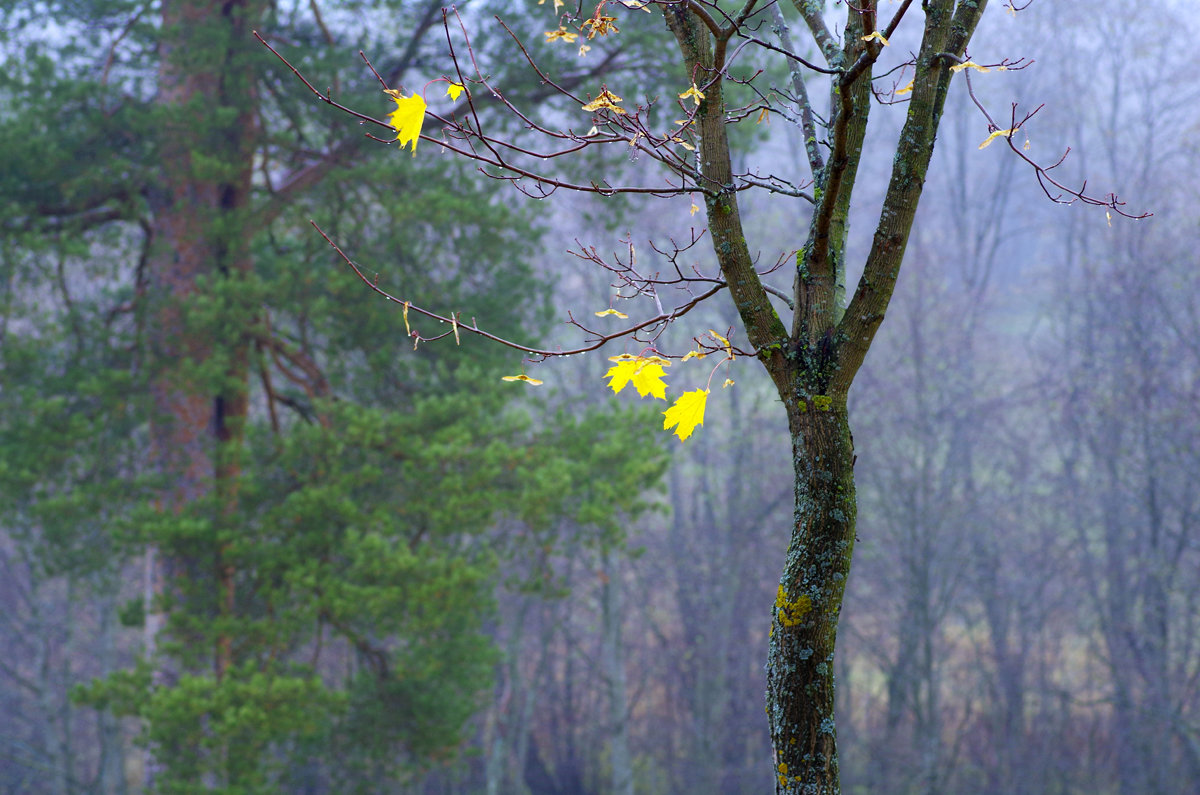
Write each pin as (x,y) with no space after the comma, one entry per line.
(599,397)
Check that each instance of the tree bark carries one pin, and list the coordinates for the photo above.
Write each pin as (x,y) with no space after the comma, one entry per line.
(800,670)
(198,332)
(814,363)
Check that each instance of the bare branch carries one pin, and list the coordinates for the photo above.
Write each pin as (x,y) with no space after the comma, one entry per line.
(473,328)
(1055,191)
(808,126)
(811,11)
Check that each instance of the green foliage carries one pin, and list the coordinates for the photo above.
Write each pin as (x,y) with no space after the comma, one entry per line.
(326,610)
(328,602)
(423,229)
(71,430)
(204,724)
(371,535)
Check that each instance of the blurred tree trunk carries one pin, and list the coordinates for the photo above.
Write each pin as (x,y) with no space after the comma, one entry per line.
(612,617)
(199,335)
(54,705)
(110,776)
(714,549)
(508,723)
(1129,448)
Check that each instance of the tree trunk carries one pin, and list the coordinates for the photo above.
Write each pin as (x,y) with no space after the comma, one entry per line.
(110,776)
(198,327)
(800,671)
(614,674)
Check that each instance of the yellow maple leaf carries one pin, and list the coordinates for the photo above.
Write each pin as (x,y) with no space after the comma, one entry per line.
(906,90)
(606,101)
(687,413)
(522,377)
(621,374)
(611,311)
(723,341)
(562,33)
(648,380)
(876,36)
(693,355)
(958,67)
(601,25)
(693,92)
(644,372)
(455,89)
(988,141)
(557,4)
(407,118)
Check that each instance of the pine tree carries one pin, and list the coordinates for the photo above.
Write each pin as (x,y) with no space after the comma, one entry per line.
(309,497)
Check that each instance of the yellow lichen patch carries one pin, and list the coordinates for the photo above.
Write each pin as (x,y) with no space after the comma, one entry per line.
(791,611)
(822,402)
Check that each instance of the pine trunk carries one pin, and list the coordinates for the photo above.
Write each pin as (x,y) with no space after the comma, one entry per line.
(198,325)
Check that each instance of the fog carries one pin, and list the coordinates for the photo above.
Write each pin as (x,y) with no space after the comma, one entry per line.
(1022,611)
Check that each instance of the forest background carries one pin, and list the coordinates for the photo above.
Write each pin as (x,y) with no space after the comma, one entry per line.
(432,581)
